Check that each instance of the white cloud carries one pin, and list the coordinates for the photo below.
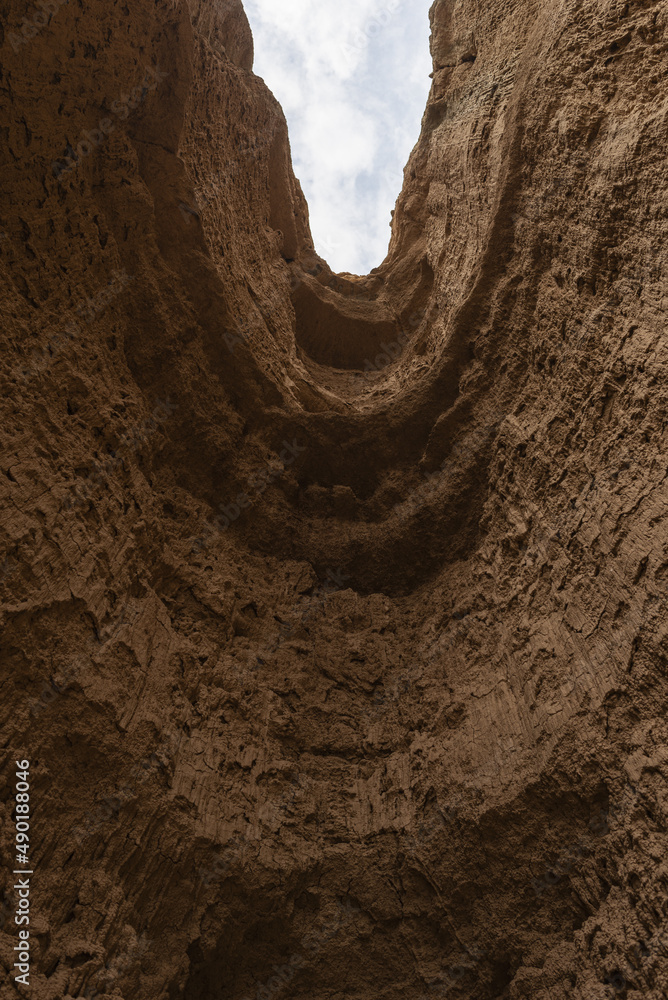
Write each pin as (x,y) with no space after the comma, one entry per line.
(352,77)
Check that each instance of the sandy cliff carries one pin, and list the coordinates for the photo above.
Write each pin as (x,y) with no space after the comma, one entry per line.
(334,607)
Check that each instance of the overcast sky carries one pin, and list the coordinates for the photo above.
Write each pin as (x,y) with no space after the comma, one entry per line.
(352,77)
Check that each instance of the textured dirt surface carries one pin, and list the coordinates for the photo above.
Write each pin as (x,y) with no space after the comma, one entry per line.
(334,607)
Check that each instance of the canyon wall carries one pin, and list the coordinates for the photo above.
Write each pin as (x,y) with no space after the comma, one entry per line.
(333,611)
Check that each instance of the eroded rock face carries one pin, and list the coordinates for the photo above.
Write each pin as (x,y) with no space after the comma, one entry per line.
(333,613)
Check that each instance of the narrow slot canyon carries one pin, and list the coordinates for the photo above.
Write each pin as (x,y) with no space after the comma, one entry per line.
(333,607)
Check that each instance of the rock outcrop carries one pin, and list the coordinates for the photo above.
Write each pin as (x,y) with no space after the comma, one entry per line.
(334,607)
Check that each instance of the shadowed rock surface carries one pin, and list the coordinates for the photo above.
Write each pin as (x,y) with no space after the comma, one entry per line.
(334,607)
